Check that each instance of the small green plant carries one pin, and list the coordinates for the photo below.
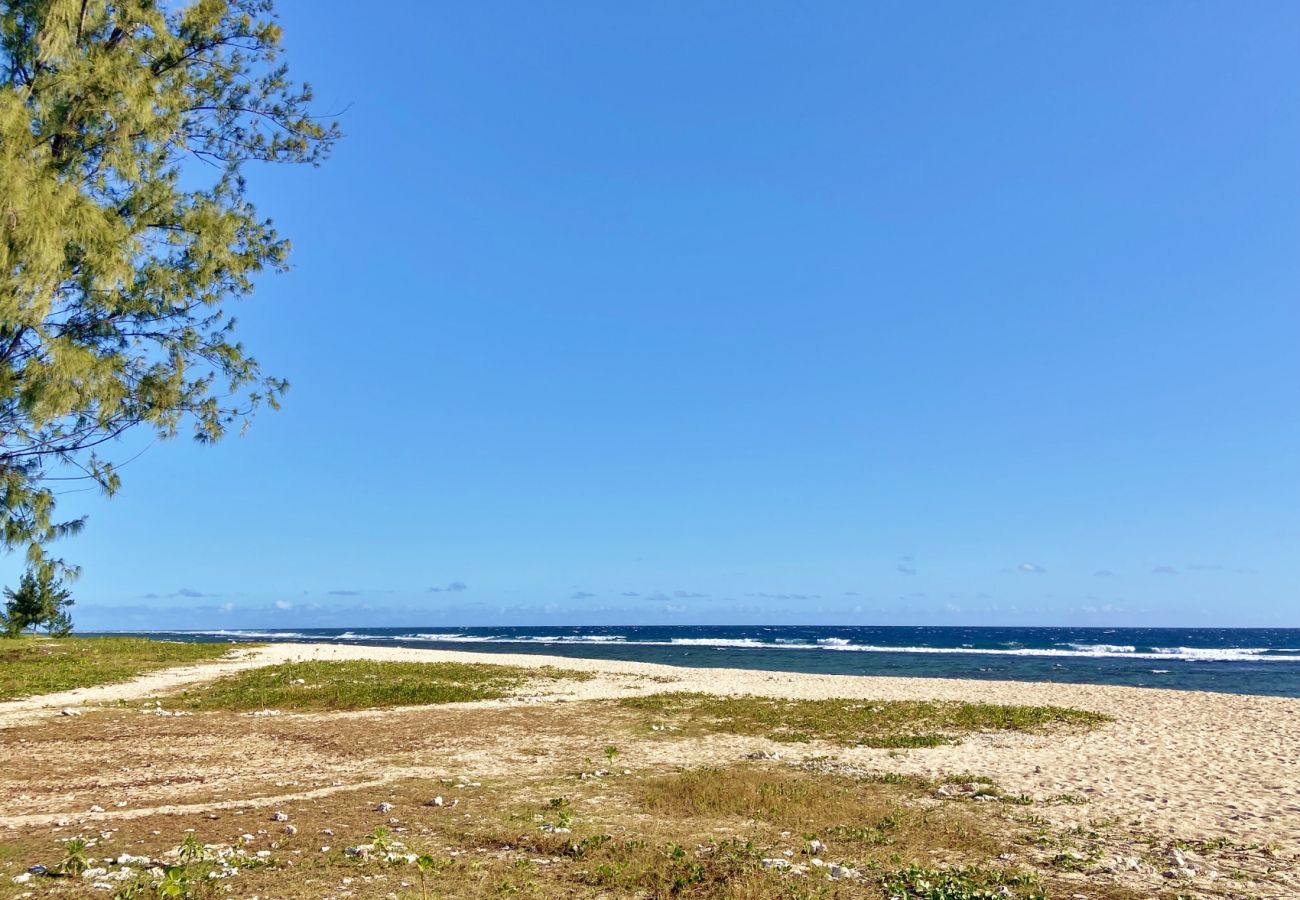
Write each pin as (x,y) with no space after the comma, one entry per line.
(381,839)
(611,754)
(424,865)
(588,845)
(960,884)
(175,883)
(563,815)
(132,890)
(191,850)
(74,860)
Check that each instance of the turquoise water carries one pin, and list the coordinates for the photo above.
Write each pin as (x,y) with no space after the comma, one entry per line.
(1232,660)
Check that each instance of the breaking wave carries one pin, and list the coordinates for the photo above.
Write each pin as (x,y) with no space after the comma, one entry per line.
(247,634)
(829,644)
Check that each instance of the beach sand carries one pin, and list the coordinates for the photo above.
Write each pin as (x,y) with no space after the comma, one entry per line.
(1187,764)
(1175,765)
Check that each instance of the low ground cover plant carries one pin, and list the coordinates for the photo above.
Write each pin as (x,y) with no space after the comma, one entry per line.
(364,684)
(870,723)
(31,666)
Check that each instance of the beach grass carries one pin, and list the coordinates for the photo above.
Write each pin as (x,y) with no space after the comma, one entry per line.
(539,801)
(852,814)
(578,799)
(876,724)
(753,832)
(35,665)
(364,684)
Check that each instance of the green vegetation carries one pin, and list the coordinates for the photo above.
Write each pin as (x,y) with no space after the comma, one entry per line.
(744,831)
(855,815)
(30,666)
(972,883)
(197,867)
(797,801)
(39,600)
(870,723)
(75,860)
(363,684)
(426,864)
(124,131)
(748,831)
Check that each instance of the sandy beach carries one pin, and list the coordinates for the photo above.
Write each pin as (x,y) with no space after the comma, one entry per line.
(737,451)
(1192,765)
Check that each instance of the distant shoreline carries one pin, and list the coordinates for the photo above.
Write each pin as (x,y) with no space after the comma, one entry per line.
(1262,662)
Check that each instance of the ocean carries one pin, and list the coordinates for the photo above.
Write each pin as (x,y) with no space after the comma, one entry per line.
(1230,660)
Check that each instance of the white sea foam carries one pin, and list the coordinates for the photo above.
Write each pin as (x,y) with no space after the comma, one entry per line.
(724,642)
(450,637)
(241,633)
(461,638)
(1229,654)
(1068,650)
(1103,648)
(1194,654)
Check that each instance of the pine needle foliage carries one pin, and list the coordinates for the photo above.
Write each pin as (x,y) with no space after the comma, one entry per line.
(40,600)
(125,230)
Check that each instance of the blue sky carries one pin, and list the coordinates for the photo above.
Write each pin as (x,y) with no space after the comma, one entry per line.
(720,312)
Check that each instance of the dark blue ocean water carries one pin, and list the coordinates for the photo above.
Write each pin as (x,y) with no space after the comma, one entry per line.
(1232,660)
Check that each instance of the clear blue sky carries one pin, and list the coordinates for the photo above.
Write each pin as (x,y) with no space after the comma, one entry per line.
(759,312)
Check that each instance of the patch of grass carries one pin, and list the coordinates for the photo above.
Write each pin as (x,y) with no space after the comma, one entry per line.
(754,793)
(915,781)
(882,724)
(852,814)
(32,666)
(742,832)
(364,684)
(971,883)
(730,868)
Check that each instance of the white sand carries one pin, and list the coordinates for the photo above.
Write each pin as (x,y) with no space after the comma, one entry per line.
(1186,764)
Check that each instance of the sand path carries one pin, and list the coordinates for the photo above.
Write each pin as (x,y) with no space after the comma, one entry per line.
(15,712)
(1185,764)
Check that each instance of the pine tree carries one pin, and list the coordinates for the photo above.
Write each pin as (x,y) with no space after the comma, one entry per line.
(41,599)
(125,230)
(23,607)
